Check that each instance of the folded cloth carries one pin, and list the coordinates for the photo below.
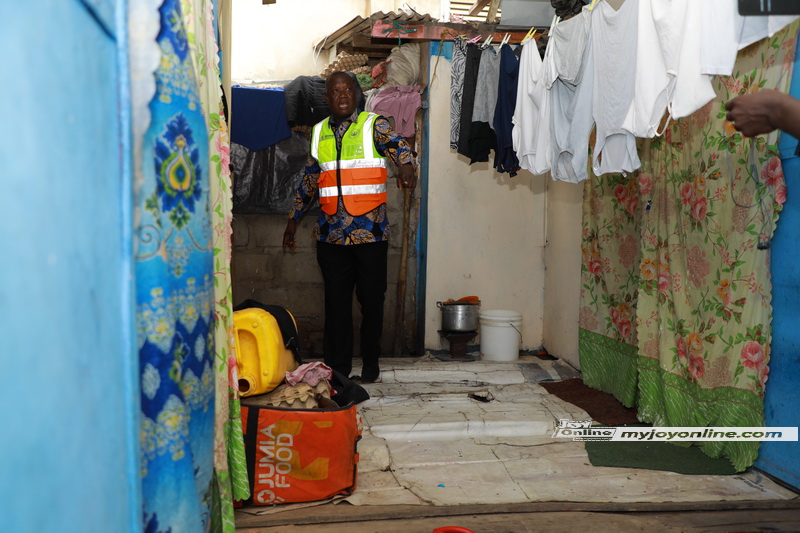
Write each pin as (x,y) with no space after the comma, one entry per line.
(311,373)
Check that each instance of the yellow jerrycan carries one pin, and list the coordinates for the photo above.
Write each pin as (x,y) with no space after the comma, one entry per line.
(262,359)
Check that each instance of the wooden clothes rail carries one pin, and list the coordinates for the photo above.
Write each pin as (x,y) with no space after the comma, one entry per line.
(437,31)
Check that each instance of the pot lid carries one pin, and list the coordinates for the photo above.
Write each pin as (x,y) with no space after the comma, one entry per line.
(466,300)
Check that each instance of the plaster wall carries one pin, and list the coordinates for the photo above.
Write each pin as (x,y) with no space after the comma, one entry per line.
(274,42)
(563,270)
(485,230)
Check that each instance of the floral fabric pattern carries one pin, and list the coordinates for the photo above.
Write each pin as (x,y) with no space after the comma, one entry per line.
(699,292)
(230,467)
(175,295)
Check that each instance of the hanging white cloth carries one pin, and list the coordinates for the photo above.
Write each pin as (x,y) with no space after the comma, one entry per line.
(726,32)
(614,38)
(679,25)
(653,84)
(571,98)
(531,116)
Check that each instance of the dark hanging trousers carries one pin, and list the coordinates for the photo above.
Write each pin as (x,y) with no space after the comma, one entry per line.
(346,267)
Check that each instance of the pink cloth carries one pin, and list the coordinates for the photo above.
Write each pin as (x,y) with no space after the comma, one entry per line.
(311,373)
(399,102)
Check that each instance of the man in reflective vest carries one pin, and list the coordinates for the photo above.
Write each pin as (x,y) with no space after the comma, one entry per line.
(347,170)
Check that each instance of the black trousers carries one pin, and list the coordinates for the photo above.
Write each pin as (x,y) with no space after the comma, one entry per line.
(346,267)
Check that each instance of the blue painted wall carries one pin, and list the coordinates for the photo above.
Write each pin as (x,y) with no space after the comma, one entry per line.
(68,391)
(782,405)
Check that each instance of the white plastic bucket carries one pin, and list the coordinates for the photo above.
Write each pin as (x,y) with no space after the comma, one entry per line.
(501,335)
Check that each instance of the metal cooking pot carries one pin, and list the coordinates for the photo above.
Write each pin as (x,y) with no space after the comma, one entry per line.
(459,316)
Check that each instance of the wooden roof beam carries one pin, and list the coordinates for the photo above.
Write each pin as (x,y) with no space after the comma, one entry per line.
(493,7)
(477,7)
(443,31)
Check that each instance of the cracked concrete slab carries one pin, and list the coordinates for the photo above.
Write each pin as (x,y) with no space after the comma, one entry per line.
(432,438)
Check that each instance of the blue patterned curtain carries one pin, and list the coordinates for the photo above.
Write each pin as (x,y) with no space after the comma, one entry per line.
(175,295)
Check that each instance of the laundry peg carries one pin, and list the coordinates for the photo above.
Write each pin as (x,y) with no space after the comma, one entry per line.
(591,6)
(506,37)
(556,20)
(488,40)
(529,35)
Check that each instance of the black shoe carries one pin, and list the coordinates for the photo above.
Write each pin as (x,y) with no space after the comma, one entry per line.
(371,377)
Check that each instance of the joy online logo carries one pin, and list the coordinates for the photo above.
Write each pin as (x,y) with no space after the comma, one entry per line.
(582,430)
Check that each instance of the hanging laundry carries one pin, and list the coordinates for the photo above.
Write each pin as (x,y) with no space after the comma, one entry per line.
(614,39)
(531,120)
(399,102)
(568,42)
(725,32)
(259,117)
(693,89)
(486,88)
(468,97)
(678,25)
(653,84)
(505,159)
(571,98)
(482,139)
(456,87)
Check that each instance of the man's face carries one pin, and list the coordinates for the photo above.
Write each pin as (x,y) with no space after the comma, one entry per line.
(340,94)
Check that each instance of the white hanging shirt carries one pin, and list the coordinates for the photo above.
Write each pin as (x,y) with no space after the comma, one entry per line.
(679,27)
(614,38)
(531,117)
(727,32)
(653,84)
(571,99)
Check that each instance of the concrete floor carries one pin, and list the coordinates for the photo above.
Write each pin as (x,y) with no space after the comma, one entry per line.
(543,485)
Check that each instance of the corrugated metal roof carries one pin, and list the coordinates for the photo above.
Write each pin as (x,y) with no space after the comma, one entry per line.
(344,35)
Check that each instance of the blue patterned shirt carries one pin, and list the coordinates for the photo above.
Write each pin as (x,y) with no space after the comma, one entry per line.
(342,227)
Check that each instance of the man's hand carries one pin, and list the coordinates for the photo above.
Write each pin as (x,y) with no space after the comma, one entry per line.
(407,178)
(752,113)
(288,235)
(763,112)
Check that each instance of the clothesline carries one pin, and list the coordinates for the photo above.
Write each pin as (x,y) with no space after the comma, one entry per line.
(617,71)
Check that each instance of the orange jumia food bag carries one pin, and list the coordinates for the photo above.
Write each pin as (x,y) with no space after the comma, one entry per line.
(300,455)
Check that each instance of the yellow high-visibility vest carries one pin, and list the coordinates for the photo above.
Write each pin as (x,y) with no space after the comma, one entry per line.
(361,169)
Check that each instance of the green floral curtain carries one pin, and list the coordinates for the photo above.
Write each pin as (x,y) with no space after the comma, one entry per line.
(230,468)
(675,305)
